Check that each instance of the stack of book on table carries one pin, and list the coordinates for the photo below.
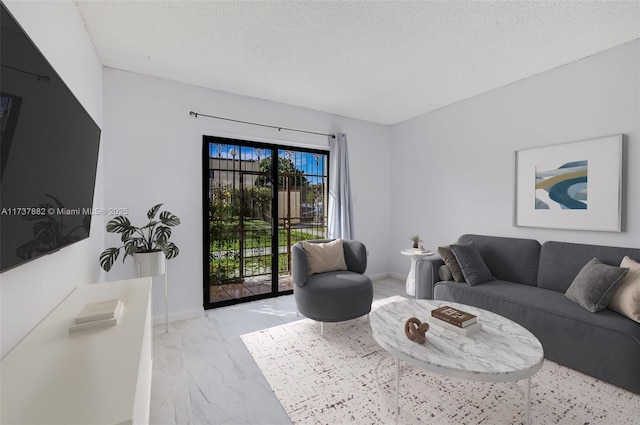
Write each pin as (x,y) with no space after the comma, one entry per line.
(98,315)
(456,320)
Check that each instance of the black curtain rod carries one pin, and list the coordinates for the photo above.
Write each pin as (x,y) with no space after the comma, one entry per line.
(38,76)
(196,115)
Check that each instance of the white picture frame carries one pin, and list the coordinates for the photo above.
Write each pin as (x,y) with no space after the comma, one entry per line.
(576,185)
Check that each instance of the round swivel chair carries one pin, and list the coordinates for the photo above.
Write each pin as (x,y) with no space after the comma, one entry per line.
(333,296)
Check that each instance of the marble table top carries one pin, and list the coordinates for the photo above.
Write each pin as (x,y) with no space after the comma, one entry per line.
(501,351)
(417,253)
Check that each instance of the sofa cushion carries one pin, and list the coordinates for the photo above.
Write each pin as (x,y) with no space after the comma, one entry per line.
(509,259)
(560,262)
(444,273)
(450,261)
(626,299)
(473,267)
(325,257)
(595,284)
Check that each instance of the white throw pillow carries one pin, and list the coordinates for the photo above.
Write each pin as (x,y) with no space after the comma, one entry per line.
(325,257)
(626,299)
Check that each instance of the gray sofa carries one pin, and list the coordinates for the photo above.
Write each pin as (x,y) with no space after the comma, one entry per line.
(529,288)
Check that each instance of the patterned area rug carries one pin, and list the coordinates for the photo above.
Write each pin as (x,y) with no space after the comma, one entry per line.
(332,380)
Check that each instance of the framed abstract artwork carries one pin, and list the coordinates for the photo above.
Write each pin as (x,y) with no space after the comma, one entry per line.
(575,185)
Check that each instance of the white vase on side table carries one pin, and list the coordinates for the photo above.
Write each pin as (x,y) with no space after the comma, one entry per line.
(154,264)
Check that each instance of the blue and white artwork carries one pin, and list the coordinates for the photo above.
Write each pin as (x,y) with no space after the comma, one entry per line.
(575,185)
(562,187)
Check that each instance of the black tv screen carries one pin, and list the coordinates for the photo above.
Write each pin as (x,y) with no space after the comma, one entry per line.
(48,154)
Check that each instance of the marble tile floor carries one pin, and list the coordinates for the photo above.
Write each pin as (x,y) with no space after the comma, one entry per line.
(203,374)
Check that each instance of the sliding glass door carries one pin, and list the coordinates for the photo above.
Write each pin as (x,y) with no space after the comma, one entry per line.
(259,200)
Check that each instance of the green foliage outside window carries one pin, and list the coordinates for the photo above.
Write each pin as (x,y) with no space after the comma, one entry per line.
(287,168)
(229,206)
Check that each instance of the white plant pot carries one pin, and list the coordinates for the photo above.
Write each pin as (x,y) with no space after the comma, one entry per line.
(149,263)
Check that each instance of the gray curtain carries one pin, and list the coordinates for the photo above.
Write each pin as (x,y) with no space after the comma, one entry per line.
(340,209)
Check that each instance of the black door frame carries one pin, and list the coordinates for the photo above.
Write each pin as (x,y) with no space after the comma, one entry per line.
(206,141)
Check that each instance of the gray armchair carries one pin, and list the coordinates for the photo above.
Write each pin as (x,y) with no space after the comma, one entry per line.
(334,296)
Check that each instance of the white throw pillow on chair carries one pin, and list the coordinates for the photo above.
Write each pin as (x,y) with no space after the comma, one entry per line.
(325,257)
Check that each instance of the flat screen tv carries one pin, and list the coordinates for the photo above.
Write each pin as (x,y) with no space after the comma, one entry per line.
(48,154)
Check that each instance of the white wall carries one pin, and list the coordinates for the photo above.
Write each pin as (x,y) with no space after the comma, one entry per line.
(453,169)
(29,292)
(153,148)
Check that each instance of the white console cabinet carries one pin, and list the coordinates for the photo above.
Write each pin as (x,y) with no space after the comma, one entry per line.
(97,376)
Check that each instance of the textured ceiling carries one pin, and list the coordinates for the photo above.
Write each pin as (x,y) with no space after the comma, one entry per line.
(378,61)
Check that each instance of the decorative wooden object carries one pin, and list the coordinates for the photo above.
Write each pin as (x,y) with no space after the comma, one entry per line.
(415,330)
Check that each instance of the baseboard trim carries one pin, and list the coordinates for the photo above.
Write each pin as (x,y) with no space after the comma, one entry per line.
(159,319)
(398,276)
(387,275)
(378,276)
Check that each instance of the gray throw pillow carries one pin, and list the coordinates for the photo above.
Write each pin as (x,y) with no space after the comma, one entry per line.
(473,267)
(451,262)
(595,284)
(444,273)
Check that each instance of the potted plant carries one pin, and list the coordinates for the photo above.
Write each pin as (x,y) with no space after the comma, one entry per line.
(149,244)
(416,241)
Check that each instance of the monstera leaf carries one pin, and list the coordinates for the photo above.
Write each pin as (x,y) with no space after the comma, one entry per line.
(163,234)
(118,224)
(171,250)
(108,257)
(153,211)
(169,219)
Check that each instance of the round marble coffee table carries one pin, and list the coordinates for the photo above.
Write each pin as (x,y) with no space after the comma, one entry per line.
(502,351)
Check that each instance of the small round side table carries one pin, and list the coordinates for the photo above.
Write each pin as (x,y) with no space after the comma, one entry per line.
(411,278)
